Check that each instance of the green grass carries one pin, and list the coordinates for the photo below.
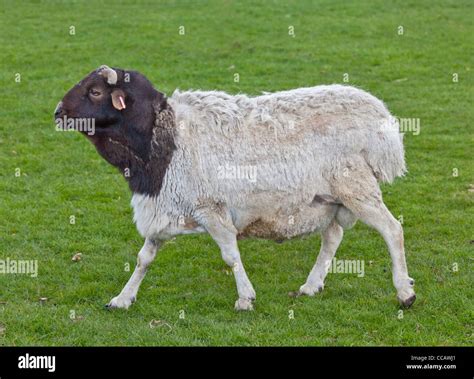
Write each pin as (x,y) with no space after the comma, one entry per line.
(62,175)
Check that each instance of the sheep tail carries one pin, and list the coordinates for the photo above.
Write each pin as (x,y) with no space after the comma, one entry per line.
(385,153)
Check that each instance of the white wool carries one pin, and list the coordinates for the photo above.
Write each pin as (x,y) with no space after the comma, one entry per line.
(293,142)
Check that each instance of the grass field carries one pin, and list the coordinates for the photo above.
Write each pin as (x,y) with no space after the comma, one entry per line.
(46,176)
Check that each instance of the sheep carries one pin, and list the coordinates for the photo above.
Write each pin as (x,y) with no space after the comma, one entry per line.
(274,166)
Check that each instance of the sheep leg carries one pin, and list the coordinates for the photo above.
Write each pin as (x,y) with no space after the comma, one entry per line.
(230,254)
(331,238)
(359,192)
(225,235)
(388,226)
(129,292)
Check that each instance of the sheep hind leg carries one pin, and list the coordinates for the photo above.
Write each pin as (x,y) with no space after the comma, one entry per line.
(331,237)
(358,190)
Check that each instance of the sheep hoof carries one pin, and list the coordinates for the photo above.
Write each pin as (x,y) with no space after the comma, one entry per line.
(120,302)
(306,290)
(406,295)
(407,303)
(244,305)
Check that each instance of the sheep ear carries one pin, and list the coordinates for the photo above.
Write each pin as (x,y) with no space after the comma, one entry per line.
(118,99)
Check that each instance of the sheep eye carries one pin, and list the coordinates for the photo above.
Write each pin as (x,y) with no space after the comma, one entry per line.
(94,92)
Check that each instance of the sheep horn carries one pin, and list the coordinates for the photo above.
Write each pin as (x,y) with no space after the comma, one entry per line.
(108,73)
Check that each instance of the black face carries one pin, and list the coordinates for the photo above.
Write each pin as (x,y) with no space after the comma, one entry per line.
(122,106)
(94,98)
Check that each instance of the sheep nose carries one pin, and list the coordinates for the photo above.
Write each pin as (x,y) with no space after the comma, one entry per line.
(59,110)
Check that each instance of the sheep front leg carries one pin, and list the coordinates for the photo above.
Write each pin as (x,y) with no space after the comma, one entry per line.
(129,293)
(226,238)
(331,238)
(230,254)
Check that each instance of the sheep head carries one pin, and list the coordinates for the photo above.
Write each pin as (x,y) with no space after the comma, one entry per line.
(111,96)
(125,112)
